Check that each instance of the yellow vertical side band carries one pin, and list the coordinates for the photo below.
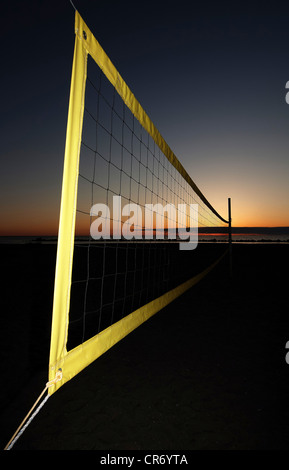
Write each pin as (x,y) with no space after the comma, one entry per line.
(68,210)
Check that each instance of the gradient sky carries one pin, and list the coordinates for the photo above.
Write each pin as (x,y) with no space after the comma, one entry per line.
(212,80)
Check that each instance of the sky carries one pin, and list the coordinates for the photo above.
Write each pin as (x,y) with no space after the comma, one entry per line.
(212,79)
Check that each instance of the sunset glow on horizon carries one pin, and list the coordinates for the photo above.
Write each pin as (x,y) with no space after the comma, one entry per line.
(213,84)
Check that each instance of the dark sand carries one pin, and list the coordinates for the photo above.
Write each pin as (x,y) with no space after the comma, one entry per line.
(207,372)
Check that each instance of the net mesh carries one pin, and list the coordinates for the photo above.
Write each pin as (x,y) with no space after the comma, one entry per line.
(112,278)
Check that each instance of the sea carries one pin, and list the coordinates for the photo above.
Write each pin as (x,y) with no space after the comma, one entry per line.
(246,235)
(252,235)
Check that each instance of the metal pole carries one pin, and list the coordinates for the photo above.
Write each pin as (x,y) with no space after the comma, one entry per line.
(230,237)
(230,220)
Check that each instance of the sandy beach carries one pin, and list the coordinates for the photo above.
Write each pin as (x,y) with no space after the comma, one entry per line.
(207,372)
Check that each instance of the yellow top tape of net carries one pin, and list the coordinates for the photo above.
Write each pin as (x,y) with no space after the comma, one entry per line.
(97,53)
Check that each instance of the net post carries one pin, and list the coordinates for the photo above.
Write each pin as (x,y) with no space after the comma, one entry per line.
(230,238)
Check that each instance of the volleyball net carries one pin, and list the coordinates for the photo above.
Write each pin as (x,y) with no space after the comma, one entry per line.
(129,217)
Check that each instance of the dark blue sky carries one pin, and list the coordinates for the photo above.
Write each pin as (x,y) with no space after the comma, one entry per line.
(211,78)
